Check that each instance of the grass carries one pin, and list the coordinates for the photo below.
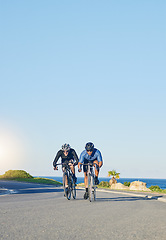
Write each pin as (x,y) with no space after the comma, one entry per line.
(156,188)
(35,180)
(23,176)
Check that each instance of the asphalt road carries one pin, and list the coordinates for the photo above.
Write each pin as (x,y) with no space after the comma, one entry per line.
(41,212)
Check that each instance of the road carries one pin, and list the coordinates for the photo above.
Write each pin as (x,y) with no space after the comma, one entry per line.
(41,212)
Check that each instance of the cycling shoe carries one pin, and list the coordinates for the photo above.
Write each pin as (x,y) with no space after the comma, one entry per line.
(86,195)
(96,181)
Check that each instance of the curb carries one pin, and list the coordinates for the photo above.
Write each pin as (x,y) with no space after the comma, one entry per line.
(159,198)
(4,191)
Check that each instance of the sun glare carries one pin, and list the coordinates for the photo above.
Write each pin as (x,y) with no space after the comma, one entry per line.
(10,150)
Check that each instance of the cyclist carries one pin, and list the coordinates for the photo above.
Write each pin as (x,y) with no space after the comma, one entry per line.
(93,155)
(69,156)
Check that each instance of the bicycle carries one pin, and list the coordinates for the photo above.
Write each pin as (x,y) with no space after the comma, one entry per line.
(68,182)
(91,182)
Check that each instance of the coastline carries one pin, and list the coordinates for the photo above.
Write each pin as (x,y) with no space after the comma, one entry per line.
(149,181)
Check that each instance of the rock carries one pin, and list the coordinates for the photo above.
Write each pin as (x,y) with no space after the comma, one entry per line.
(118,186)
(139,186)
(112,181)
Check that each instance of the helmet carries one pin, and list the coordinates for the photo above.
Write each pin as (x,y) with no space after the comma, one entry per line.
(89,146)
(66,147)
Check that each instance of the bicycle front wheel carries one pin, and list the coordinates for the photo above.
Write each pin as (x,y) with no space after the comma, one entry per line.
(73,189)
(94,192)
(65,183)
(90,188)
(68,194)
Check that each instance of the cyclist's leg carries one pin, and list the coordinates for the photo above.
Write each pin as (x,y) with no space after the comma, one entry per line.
(85,168)
(73,170)
(86,195)
(85,179)
(63,170)
(97,165)
(72,166)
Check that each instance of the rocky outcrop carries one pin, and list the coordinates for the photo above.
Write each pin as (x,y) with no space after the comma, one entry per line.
(135,186)
(119,186)
(138,186)
(112,181)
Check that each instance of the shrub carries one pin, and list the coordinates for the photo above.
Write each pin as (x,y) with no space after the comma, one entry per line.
(104,184)
(155,188)
(16,174)
(126,184)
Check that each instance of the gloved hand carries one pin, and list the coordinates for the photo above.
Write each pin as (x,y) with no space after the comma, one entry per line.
(55,167)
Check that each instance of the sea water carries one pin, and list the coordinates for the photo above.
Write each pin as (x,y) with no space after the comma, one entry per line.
(149,181)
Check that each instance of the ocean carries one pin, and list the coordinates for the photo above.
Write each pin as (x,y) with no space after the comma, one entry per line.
(149,181)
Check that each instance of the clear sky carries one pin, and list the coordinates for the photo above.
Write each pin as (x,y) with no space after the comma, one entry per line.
(79,71)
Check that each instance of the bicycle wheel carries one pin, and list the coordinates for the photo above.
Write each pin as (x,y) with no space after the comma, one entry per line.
(68,194)
(65,183)
(90,184)
(94,192)
(73,189)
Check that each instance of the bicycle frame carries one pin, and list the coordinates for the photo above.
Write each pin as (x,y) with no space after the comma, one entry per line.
(91,184)
(68,183)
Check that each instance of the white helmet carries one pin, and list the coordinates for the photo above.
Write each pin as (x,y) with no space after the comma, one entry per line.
(66,147)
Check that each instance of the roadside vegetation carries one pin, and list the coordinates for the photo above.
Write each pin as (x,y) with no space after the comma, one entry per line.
(127,184)
(156,188)
(105,184)
(115,175)
(23,176)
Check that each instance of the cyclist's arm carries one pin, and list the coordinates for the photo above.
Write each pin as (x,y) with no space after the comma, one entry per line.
(99,158)
(75,157)
(58,155)
(81,159)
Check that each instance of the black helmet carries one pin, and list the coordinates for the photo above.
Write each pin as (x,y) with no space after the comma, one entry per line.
(89,146)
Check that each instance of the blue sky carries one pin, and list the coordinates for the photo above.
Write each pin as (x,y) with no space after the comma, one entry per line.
(79,71)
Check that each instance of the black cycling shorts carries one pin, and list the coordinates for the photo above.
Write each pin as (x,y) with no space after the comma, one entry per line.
(66,162)
(85,167)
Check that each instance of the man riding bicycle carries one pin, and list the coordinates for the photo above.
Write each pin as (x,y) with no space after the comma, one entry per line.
(68,156)
(92,155)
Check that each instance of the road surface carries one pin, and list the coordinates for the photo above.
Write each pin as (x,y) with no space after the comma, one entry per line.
(41,212)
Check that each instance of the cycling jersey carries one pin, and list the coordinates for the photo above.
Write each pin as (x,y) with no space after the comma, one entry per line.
(72,155)
(96,155)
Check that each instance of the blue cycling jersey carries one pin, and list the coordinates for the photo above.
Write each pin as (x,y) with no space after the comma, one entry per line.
(96,155)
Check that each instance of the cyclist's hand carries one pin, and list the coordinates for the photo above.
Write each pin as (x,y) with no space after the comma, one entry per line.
(56,168)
